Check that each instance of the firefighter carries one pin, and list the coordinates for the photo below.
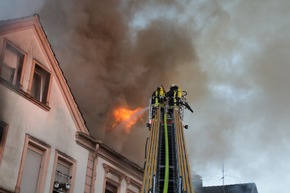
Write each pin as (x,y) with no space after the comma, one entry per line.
(178,96)
(158,97)
(162,98)
(175,97)
(172,94)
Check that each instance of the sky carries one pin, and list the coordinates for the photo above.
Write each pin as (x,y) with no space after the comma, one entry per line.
(231,56)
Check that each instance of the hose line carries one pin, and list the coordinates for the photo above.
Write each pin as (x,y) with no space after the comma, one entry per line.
(165,187)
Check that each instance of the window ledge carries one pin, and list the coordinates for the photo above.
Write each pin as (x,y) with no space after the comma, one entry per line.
(24,94)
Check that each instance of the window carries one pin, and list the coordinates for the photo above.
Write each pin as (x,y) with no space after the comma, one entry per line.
(132,186)
(12,64)
(33,166)
(64,174)
(110,187)
(3,135)
(40,84)
(112,179)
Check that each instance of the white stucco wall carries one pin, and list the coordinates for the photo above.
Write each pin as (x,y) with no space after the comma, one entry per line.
(54,127)
(100,178)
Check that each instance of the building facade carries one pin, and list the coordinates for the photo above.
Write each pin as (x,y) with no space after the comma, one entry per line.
(45,145)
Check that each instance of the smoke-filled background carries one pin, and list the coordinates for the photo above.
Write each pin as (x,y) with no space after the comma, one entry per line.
(231,56)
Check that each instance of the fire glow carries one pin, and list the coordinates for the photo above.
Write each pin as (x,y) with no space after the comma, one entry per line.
(126,118)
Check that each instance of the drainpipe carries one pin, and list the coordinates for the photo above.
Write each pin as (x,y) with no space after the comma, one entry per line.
(95,167)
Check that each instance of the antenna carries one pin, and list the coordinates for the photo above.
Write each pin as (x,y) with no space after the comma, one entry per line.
(223,172)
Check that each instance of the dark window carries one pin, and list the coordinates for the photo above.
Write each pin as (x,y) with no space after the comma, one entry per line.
(40,84)
(3,135)
(11,65)
(110,188)
(1,132)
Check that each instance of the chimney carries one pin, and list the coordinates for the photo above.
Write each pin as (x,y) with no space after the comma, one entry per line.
(197,183)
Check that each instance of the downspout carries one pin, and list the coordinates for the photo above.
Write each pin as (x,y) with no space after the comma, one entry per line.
(95,167)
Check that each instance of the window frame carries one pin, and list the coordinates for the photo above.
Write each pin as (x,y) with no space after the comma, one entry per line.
(3,138)
(132,183)
(113,183)
(114,172)
(43,70)
(68,160)
(5,45)
(41,147)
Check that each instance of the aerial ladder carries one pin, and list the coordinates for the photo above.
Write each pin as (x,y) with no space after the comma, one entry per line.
(166,168)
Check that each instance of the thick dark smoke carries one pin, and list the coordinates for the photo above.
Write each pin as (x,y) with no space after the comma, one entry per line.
(112,58)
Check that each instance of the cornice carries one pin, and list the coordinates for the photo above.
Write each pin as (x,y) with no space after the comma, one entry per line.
(120,161)
(87,141)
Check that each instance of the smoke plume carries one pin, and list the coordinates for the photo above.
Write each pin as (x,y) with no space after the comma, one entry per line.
(115,53)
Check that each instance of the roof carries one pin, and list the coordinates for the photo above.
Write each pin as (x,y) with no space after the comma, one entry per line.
(7,26)
(234,188)
(113,154)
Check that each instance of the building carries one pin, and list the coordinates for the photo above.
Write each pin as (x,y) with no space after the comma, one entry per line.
(45,145)
(232,188)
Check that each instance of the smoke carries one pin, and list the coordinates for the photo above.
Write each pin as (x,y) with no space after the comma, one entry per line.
(115,53)
(243,121)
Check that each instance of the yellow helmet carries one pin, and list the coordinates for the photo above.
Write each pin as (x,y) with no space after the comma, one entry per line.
(173,85)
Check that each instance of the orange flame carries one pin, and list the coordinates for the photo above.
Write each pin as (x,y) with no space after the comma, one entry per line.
(126,118)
